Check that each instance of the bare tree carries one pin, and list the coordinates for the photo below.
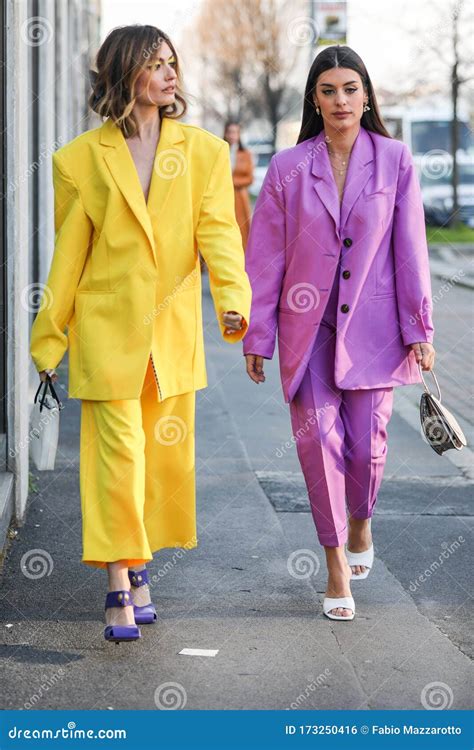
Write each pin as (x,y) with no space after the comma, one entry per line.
(446,48)
(248,58)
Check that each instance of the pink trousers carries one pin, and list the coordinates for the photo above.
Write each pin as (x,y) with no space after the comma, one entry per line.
(341,440)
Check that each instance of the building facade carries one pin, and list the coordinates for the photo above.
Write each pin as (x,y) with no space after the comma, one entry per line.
(47,47)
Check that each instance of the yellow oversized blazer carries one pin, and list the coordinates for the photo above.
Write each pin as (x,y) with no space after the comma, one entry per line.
(126,273)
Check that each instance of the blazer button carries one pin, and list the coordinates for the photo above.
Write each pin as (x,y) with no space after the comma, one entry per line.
(346,274)
(344,308)
(347,242)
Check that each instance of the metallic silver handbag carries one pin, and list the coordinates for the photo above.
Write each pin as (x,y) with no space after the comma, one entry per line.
(440,427)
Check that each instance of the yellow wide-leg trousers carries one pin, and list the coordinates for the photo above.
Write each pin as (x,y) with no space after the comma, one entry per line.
(137,476)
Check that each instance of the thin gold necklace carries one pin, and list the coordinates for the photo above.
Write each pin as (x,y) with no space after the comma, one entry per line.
(338,168)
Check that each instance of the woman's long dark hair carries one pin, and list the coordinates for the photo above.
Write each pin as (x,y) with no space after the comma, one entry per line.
(338,56)
(234,122)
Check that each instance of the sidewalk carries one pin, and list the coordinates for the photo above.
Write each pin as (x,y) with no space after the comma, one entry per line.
(235,592)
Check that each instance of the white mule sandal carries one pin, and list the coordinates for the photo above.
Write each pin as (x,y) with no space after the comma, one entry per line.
(365,558)
(346,602)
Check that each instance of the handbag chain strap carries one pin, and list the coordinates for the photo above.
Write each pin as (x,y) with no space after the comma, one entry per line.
(435,380)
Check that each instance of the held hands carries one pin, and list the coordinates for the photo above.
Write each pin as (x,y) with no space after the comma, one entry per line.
(425,354)
(52,373)
(255,368)
(233,321)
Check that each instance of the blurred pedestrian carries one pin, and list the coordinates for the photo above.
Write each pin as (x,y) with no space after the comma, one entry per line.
(242,176)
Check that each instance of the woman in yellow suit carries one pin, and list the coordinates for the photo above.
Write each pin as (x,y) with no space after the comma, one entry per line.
(136,199)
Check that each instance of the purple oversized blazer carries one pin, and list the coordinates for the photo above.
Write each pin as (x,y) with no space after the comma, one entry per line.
(298,231)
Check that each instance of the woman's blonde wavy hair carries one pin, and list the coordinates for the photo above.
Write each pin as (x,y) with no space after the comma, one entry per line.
(122,56)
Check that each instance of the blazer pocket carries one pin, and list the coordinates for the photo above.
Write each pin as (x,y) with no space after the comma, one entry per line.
(385,190)
(95,291)
(381,295)
(376,208)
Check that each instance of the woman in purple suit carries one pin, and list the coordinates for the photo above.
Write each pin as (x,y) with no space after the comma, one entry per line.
(338,262)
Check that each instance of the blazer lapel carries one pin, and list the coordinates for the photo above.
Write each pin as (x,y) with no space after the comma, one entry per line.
(325,185)
(358,173)
(120,162)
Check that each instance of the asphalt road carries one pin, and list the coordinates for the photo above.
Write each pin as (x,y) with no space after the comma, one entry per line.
(408,645)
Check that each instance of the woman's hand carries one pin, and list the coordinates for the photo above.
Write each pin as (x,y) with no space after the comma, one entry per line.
(424,353)
(52,373)
(233,321)
(255,368)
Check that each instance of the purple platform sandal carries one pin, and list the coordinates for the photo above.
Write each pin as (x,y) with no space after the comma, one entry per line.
(119,633)
(147,613)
